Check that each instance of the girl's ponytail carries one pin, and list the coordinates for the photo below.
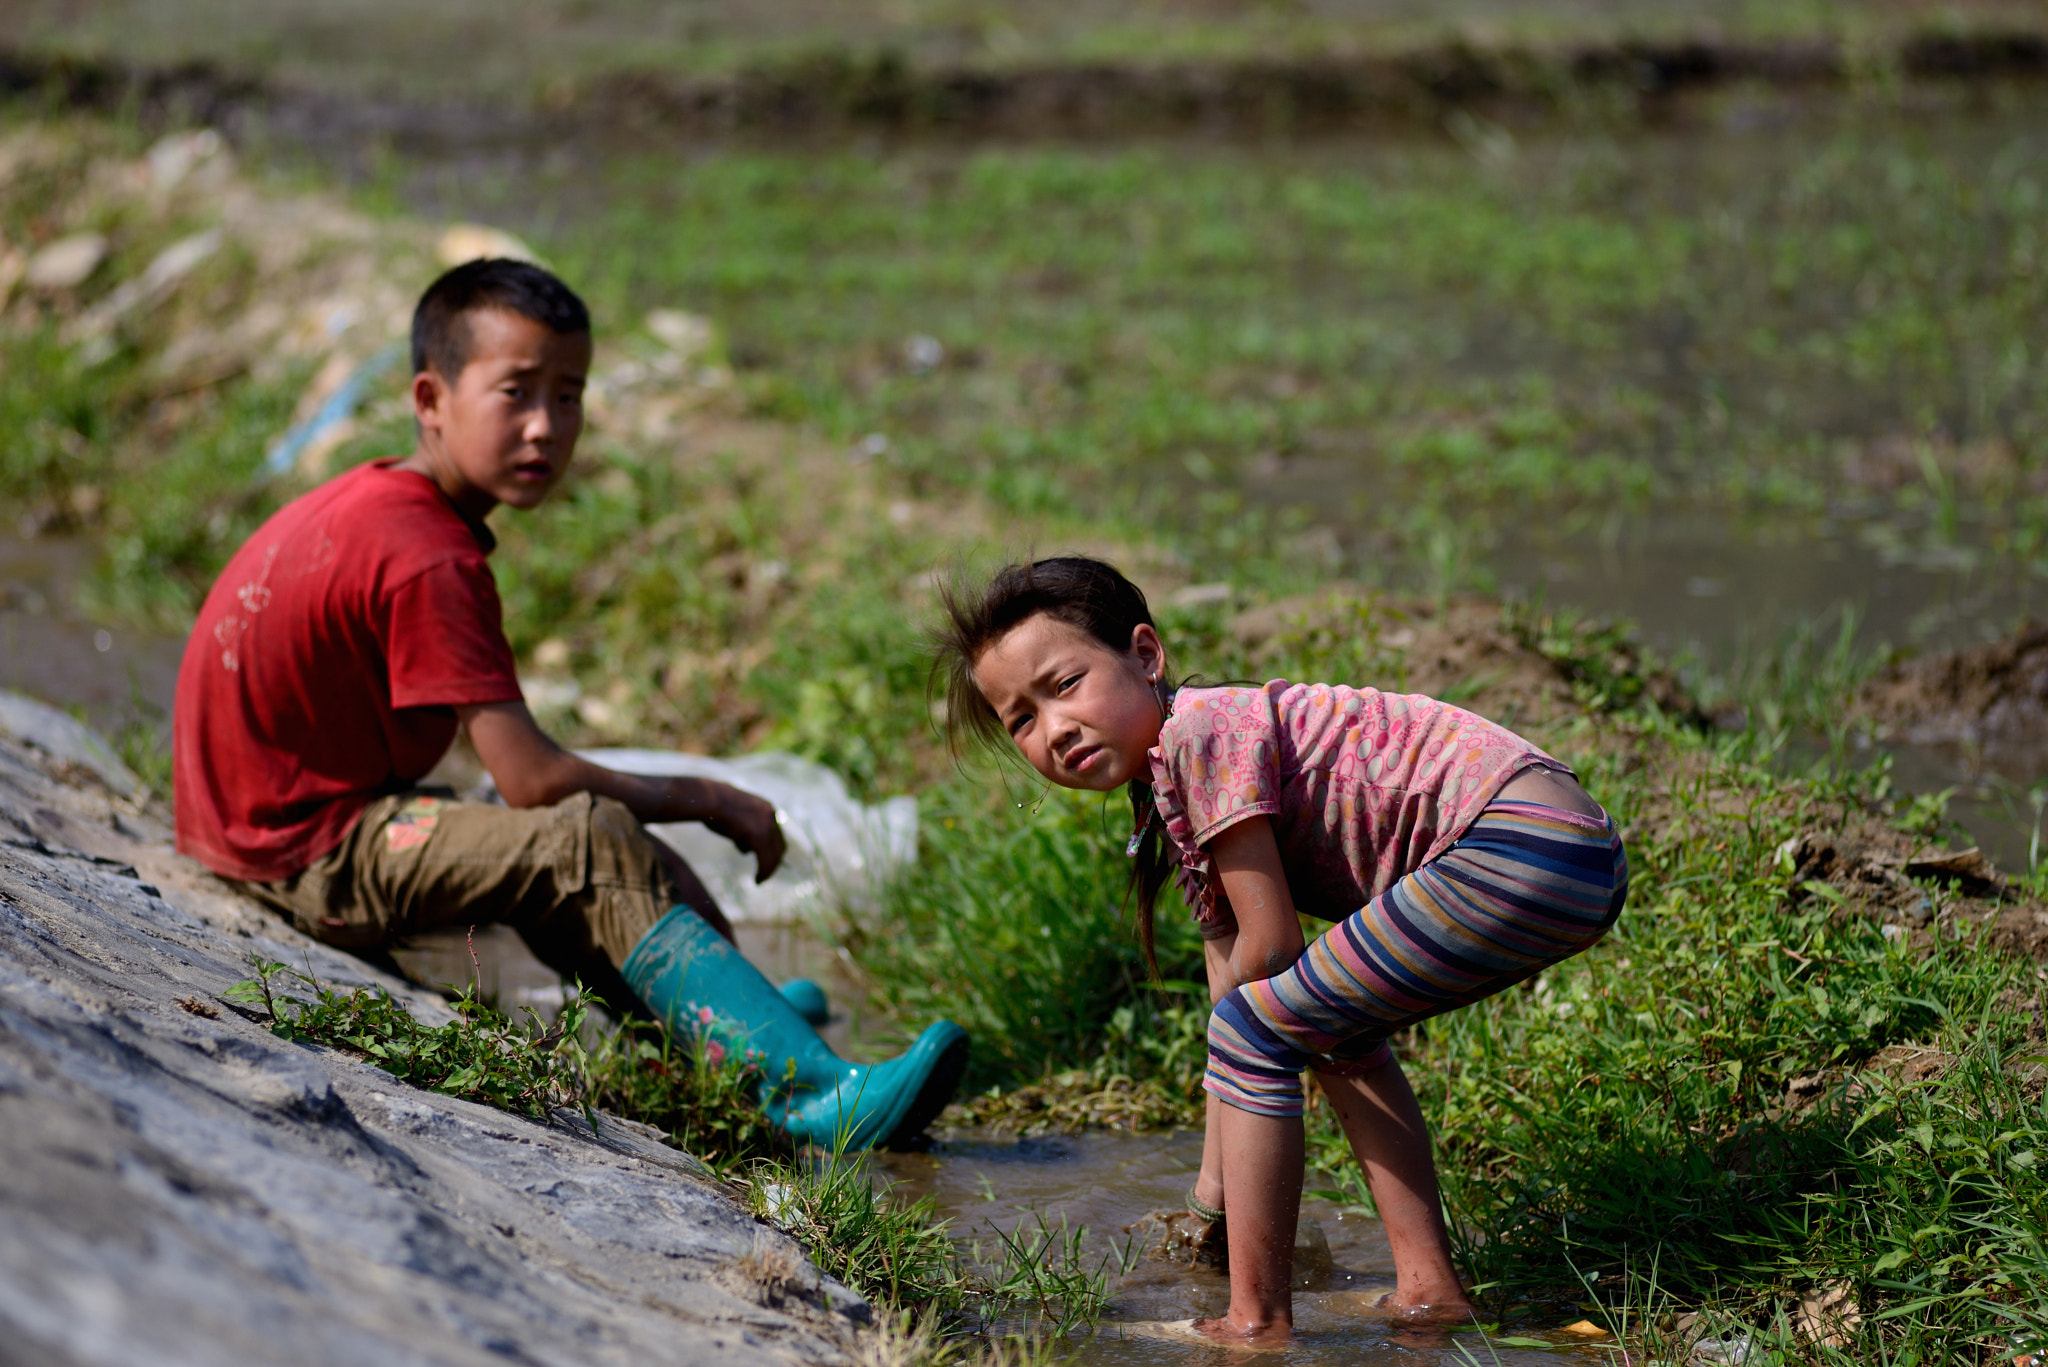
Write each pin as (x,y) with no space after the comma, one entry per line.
(1150,865)
(1085,593)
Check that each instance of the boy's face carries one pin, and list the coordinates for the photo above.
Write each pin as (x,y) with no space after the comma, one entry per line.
(507,425)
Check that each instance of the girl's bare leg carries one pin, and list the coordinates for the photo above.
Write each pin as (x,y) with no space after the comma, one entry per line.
(1209,1183)
(1391,1141)
(1262,1161)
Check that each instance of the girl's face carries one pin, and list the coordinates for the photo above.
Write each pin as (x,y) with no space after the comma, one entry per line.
(1084,715)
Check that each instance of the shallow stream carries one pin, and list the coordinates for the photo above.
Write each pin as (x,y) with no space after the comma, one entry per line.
(1109,1182)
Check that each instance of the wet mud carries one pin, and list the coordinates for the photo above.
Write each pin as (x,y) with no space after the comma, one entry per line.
(1989,702)
(118,674)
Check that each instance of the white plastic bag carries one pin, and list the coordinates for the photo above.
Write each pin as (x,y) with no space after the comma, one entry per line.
(841,853)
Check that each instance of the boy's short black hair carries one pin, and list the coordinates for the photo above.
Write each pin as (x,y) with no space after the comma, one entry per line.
(440,332)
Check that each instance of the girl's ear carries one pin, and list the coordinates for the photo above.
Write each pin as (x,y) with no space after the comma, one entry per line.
(1148,652)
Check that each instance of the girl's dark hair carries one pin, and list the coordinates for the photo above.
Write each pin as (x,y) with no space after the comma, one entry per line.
(1084,593)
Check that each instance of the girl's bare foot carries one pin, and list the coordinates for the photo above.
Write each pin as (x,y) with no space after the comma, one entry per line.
(1445,1310)
(1203,1333)
(1266,1337)
(1381,1301)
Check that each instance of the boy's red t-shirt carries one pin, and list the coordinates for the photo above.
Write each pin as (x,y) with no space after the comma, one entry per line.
(325,668)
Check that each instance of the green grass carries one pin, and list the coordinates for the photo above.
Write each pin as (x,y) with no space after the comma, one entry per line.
(1595,325)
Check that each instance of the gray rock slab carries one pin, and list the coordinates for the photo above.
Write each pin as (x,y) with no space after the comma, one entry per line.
(183,1187)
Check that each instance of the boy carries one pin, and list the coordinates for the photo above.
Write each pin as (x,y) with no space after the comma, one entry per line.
(359,627)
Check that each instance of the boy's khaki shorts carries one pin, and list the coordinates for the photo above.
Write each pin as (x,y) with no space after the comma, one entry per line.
(579,881)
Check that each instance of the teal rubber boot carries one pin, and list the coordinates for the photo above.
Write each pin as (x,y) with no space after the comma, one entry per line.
(683,969)
(809,1000)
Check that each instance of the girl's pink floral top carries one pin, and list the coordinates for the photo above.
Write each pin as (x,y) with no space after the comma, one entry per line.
(1362,787)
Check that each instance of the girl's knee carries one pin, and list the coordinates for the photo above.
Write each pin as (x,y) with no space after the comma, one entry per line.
(1236,1032)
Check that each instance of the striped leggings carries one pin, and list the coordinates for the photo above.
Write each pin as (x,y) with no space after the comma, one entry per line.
(1527,886)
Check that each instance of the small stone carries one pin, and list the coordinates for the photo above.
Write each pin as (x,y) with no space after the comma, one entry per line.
(176,155)
(1829,1315)
(1199,595)
(688,335)
(66,263)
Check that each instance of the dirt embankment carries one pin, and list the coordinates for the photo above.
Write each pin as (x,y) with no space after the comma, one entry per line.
(1989,701)
(1250,96)
(1529,671)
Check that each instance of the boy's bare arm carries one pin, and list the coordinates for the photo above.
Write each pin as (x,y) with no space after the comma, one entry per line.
(1247,860)
(532,771)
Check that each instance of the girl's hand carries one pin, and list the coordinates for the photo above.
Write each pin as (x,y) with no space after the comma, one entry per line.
(1247,859)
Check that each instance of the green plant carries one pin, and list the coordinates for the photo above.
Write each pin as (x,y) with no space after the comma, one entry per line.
(479,1056)
(1014,923)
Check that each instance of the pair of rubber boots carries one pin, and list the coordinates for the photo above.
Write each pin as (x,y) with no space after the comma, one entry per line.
(686,973)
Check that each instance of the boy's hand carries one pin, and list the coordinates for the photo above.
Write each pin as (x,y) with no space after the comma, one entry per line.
(750,823)
(532,771)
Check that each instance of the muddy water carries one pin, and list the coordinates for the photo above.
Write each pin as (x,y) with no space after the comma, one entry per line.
(1107,1182)
(49,650)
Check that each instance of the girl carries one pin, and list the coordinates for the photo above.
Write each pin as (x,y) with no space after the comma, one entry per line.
(1458,858)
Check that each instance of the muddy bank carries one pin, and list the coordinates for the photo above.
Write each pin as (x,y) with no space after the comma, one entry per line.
(1988,701)
(182,1186)
(851,92)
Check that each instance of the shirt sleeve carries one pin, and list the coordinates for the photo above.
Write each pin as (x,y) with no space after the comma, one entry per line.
(444,638)
(1222,748)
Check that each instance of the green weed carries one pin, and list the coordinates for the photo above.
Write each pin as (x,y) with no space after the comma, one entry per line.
(1014,924)
(479,1056)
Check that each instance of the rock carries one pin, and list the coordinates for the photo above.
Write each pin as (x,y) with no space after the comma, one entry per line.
(176,155)
(182,1186)
(66,263)
(1199,595)
(1186,1239)
(1828,1315)
(163,275)
(688,335)
(65,740)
